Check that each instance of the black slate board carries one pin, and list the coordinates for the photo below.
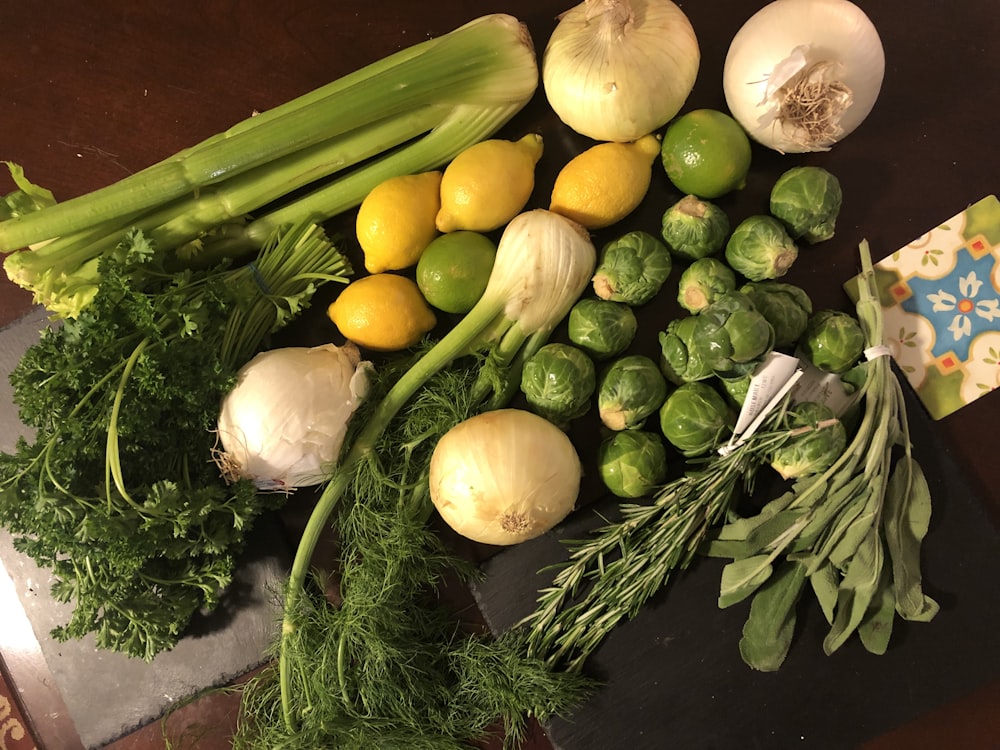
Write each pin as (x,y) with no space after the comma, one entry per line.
(674,676)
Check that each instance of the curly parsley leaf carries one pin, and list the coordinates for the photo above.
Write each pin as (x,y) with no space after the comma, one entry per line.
(139,555)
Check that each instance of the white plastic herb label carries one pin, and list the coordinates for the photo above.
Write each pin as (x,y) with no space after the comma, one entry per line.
(822,387)
(773,379)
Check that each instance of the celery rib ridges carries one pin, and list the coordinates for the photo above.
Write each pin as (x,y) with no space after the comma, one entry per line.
(411,111)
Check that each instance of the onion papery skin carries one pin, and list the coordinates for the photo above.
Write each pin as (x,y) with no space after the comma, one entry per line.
(504,476)
(833,38)
(616,70)
(283,424)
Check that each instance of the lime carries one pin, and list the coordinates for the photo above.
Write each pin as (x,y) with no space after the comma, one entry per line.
(454,269)
(706,153)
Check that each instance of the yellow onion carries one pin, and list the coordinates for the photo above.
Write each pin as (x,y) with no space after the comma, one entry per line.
(504,476)
(616,70)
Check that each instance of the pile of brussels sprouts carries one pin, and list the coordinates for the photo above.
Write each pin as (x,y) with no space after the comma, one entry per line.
(738,314)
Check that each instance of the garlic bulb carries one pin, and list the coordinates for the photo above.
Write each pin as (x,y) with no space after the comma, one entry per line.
(616,70)
(800,75)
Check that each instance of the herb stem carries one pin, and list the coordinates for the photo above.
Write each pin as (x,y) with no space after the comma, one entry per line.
(112,461)
(459,341)
(651,541)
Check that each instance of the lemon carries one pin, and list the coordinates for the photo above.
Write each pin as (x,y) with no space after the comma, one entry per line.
(605,183)
(454,270)
(384,312)
(396,220)
(706,153)
(488,184)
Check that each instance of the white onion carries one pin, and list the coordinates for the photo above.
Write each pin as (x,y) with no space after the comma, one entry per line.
(504,476)
(616,70)
(283,423)
(800,75)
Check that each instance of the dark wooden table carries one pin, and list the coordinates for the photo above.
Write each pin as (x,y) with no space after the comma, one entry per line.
(90,93)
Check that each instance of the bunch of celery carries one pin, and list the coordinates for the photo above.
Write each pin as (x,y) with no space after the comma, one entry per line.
(411,111)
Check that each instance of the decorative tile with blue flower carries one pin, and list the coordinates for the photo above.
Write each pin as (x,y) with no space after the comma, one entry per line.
(941,307)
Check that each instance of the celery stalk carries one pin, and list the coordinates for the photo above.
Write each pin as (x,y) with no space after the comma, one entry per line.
(463,127)
(487,65)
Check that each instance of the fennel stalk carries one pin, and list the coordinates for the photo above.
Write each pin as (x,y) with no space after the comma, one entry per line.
(543,263)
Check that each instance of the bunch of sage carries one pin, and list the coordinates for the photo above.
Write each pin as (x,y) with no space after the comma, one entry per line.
(852,532)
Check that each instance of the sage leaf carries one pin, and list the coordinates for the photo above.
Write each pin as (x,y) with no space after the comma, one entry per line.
(768,631)
(906,520)
(739,531)
(876,629)
(832,505)
(851,531)
(776,531)
(760,537)
(856,591)
(741,578)
(825,581)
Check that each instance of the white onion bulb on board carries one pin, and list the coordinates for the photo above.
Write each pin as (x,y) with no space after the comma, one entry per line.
(801,75)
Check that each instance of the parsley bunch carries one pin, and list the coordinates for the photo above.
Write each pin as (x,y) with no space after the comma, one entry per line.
(117,493)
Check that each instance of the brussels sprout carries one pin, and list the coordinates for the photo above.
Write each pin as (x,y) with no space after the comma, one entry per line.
(760,248)
(736,388)
(557,381)
(695,418)
(629,390)
(632,463)
(681,359)
(731,331)
(821,441)
(693,228)
(786,307)
(807,200)
(602,328)
(632,268)
(833,341)
(727,338)
(703,282)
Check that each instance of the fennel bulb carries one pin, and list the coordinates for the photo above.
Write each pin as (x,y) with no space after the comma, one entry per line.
(284,422)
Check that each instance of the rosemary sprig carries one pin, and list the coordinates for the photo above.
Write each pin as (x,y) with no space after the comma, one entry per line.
(625,562)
